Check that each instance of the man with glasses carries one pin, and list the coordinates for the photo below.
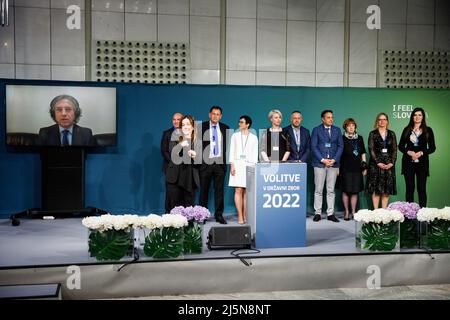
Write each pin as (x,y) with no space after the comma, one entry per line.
(214,166)
(66,112)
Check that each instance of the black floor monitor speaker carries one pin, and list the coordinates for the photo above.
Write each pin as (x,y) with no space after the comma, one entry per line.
(225,237)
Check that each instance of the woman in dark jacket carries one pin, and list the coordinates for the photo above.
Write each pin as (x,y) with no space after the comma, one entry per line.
(182,172)
(275,146)
(352,167)
(416,143)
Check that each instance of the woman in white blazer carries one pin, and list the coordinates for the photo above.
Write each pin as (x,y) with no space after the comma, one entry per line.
(243,152)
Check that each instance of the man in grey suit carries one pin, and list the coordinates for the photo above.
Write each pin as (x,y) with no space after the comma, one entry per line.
(66,112)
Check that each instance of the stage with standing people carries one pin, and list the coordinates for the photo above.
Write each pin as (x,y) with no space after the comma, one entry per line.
(41,251)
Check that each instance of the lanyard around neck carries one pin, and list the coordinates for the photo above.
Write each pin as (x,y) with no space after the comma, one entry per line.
(242,141)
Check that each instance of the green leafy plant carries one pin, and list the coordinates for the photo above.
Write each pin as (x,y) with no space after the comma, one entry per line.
(109,245)
(379,236)
(193,238)
(409,235)
(164,243)
(438,235)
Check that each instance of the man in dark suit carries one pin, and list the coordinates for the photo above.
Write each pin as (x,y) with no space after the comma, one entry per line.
(214,166)
(327,146)
(299,138)
(66,112)
(165,150)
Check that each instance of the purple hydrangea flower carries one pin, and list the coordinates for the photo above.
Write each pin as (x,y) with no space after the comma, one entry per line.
(409,209)
(177,210)
(197,213)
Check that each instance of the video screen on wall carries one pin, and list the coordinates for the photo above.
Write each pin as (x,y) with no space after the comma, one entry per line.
(68,116)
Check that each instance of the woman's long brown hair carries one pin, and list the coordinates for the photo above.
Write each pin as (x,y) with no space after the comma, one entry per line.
(194,131)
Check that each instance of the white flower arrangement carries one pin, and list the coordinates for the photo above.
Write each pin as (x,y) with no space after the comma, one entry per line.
(174,221)
(379,216)
(152,221)
(123,222)
(109,222)
(429,214)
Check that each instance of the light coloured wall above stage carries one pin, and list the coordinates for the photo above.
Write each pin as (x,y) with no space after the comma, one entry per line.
(268,42)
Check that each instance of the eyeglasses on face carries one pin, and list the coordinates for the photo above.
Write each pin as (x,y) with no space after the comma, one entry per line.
(63,109)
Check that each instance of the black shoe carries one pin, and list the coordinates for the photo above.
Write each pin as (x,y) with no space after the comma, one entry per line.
(221,220)
(347,219)
(317,217)
(333,218)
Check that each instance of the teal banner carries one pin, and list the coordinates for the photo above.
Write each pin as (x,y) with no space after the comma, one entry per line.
(128,178)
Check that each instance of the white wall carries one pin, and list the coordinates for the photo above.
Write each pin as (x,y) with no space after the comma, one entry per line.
(276,42)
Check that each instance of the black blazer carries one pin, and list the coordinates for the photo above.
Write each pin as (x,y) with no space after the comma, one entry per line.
(284,144)
(50,136)
(165,152)
(426,144)
(205,138)
(184,175)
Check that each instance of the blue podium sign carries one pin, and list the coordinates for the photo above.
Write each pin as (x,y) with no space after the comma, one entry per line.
(280,205)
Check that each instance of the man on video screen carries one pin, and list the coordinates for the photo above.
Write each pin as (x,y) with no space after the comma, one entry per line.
(65,111)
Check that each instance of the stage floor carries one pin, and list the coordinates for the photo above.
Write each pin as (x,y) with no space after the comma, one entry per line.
(64,241)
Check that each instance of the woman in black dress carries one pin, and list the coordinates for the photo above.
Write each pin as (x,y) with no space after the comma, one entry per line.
(275,146)
(416,143)
(383,154)
(182,173)
(352,167)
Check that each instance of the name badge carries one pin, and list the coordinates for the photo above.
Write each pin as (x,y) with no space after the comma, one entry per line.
(327,145)
(242,157)
(384,150)
(355,152)
(276,148)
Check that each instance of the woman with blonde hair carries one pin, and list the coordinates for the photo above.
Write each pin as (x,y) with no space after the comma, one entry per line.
(275,146)
(383,155)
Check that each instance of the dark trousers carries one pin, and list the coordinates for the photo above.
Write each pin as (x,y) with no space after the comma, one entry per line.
(178,196)
(411,172)
(166,202)
(216,173)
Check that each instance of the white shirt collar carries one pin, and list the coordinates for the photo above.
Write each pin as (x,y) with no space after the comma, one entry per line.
(61,129)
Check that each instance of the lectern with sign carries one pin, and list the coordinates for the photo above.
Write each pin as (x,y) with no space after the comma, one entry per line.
(276,204)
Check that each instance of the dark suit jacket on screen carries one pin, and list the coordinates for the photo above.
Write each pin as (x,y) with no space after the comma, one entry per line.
(50,136)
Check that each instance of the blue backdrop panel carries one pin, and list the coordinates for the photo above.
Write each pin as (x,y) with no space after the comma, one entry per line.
(128,178)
